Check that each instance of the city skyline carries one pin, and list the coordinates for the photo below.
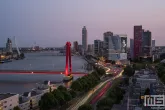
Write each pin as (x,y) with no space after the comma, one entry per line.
(53,23)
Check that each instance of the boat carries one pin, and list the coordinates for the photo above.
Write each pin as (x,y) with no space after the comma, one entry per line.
(68,78)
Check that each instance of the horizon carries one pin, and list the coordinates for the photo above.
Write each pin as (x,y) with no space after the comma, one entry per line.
(52,23)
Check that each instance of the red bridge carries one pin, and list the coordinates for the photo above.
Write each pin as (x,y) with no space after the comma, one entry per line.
(38,72)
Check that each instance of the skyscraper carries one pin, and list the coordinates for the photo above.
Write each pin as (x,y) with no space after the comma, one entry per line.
(84,39)
(146,44)
(132,48)
(97,47)
(106,36)
(137,41)
(153,44)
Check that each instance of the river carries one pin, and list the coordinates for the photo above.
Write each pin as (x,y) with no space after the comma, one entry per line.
(19,83)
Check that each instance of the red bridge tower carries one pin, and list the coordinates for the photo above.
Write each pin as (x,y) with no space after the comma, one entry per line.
(68,58)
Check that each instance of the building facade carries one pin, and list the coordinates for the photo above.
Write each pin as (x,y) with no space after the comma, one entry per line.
(75,46)
(90,48)
(137,41)
(8,101)
(146,44)
(106,37)
(9,45)
(123,44)
(97,47)
(153,44)
(84,39)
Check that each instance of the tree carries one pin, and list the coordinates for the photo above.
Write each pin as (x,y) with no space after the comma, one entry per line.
(85,107)
(59,96)
(62,88)
(105,102)
(162,56)
(76,86)
(147,91)
(16,108)
(100,71)
(73,93)
(129,71)
(47,101)
(67,96)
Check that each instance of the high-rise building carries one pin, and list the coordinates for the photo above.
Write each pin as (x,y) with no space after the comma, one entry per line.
(112,46)
(137,41)
(97,44)
(115,43)
(146,44)
(132,48)
(75,46)
(106,38)
(153,44)
(9,45)
(84,39)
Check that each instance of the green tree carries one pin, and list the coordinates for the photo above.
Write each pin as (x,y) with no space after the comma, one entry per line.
(73,93)
(96,75)
(67,95)
(129,71)
(76,86)
(16,108)
(47,101)
(100,71)
(59,96)
(85,107)
(62,88)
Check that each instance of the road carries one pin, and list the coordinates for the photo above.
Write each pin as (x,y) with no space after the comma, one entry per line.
(90,93)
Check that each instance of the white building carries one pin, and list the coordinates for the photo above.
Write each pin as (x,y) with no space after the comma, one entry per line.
(31,99)
(8,101)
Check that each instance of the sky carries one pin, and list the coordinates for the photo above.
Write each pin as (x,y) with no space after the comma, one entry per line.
(50,23)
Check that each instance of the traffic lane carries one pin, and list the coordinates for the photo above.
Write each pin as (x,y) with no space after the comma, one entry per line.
(101,93)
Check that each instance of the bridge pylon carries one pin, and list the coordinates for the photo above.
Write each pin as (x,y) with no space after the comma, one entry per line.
(68,68)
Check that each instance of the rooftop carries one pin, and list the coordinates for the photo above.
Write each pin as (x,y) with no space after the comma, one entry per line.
(4,96)
(33,93)
(119,107)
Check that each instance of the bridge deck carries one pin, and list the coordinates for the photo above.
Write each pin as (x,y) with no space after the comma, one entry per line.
(37,72)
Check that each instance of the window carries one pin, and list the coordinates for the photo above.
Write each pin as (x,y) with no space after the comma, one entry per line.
(5,102)
(10,104)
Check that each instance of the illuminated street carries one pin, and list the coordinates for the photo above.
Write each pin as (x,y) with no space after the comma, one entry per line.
(91,92)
